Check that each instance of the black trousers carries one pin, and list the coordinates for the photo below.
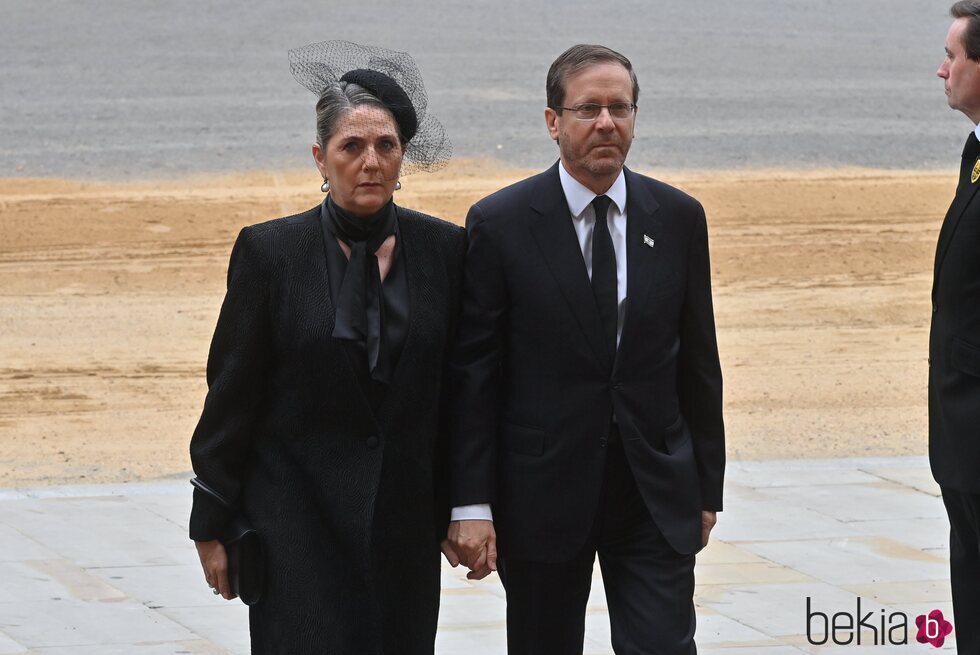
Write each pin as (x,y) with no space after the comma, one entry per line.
(649,586)
(964,564)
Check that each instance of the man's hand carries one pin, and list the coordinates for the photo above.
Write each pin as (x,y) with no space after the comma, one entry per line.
(475,543)
(214,561)
(708,520)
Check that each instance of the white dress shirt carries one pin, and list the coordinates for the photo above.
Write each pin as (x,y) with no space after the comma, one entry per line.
(579,199)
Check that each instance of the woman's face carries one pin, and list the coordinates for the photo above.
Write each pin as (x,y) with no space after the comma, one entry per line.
(362,159)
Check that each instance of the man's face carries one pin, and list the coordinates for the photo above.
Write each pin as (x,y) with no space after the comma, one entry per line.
(960,73)
(594,150)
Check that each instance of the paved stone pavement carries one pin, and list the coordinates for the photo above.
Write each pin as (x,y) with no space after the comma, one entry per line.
(108,570)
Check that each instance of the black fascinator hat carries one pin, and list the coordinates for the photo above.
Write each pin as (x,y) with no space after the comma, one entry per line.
(390,76)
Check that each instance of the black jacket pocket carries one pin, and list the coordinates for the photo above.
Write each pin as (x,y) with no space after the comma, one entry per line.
(522,439)
(675,435)
(965,357)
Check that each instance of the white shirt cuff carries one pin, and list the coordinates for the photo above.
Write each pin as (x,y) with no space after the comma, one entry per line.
(472,513)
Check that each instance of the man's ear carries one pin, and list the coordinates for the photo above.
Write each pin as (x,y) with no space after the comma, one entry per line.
(551,120)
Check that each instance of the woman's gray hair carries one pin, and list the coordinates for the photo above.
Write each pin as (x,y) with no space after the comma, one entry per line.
(337,99)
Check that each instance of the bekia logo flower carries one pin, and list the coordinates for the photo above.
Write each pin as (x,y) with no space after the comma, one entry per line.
(933,629)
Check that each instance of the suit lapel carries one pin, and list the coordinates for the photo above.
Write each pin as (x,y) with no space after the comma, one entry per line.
(555,237)
(965,190)
(643,225)
(964,194)
(414,256)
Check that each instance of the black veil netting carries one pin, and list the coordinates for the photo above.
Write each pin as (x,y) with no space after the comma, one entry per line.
(391,76)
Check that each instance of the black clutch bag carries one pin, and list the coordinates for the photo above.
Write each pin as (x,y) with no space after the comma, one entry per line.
(243,544)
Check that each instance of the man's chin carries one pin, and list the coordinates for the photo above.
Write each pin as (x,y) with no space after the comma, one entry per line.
(606,165)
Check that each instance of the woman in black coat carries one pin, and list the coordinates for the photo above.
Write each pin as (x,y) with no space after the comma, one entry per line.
(322,420)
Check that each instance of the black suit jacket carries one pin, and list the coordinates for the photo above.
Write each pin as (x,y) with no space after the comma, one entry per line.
(954,340)
(534,389)
(346,498)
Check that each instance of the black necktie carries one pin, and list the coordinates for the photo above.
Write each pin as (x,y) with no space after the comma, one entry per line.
(604,282)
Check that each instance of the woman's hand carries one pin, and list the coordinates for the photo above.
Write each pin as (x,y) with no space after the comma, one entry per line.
(450,553)
(214,561)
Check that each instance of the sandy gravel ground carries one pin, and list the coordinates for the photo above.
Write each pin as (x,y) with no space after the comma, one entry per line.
(109,294)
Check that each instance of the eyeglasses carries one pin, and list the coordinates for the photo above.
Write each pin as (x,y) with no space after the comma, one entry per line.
(590,111)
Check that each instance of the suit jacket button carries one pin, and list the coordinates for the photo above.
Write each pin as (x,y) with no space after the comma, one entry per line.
(372,442)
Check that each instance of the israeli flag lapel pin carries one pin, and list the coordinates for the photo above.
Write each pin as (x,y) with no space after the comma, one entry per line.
(648,241)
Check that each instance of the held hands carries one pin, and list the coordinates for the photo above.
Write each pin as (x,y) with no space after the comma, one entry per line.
(473,543)
(708,520)
(214,561)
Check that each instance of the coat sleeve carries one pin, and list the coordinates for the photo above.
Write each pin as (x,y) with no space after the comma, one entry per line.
(442,473)
(700,385)
(475,367)
(237,362)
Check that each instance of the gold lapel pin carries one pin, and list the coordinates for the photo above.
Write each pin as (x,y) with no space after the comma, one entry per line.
(976,172)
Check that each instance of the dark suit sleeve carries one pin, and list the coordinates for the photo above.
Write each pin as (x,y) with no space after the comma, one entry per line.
(700,384)
(475,368)
(222,440)
(441,470)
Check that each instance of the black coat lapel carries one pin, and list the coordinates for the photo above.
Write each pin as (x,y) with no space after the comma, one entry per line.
(965,191)
(643,225)
(416,259)
(555,235)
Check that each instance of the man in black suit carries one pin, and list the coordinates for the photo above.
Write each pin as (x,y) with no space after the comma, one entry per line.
(587,417)
(954,340)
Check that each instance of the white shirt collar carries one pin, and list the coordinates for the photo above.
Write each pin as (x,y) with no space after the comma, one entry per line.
(976,131)
(579,196)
